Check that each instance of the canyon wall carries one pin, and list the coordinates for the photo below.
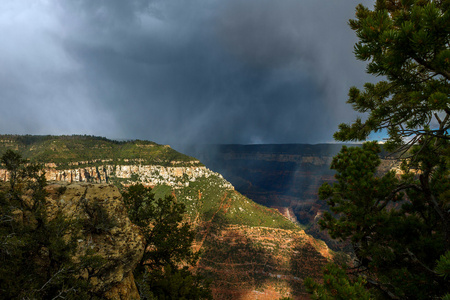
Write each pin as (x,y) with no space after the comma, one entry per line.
(249,251)
(150,175)
(285,177)
(120,243)
(243,262)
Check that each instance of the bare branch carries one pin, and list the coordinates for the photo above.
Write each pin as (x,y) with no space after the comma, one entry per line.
(416,260)
(51,278)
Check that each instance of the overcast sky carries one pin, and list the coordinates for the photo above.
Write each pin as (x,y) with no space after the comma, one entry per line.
(178,71)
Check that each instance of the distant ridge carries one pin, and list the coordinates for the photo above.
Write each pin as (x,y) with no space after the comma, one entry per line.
(66,149)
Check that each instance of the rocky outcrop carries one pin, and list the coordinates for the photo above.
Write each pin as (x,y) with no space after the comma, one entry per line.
(107,231)
(125,290)
(151,175)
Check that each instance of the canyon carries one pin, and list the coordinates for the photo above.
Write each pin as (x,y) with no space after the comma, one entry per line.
(286,177)
(248,251)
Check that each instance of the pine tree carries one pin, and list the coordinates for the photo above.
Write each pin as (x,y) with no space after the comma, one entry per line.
(35,253)
(407,43)
(163,272)
(399,222)
(337,286)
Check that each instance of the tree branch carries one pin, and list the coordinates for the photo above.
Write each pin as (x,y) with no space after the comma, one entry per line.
(426,64)
(416,260)
(381,287)
(51,278)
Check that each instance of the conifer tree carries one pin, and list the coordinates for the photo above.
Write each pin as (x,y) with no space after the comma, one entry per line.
(163,272)
(399,222)
(36,257)
(337,286)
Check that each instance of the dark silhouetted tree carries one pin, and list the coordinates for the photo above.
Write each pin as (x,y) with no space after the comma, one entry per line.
(398,223)
(36,253)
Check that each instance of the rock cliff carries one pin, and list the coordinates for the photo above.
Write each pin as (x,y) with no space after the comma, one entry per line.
(245,262)
(249,251)
(151,175)
(261,262)
(116,239)
(285,177)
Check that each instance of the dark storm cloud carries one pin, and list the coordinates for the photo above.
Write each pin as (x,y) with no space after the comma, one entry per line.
(178,71)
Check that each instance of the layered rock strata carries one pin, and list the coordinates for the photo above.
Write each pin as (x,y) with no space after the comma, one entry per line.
(151,175)
(261,263)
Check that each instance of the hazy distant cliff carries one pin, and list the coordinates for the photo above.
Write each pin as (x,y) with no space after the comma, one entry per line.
(286,176)
(282,176)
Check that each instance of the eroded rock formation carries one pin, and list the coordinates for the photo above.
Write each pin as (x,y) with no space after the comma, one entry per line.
(151,175)
(107,231)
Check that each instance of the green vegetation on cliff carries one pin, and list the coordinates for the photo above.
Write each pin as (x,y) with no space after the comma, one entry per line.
(207,200)
(91,151)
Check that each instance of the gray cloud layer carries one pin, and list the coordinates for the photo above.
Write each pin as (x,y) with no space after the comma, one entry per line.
(236,71)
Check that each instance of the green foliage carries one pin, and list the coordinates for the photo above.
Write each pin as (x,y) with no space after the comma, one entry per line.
(337,285)
(171,283)
(395,233)
(35,251)
(443,266)
(62,190)
(358,196)
(407,42)
(13,161)
(207,196)
(399,225)
(168,242)
(91,151)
